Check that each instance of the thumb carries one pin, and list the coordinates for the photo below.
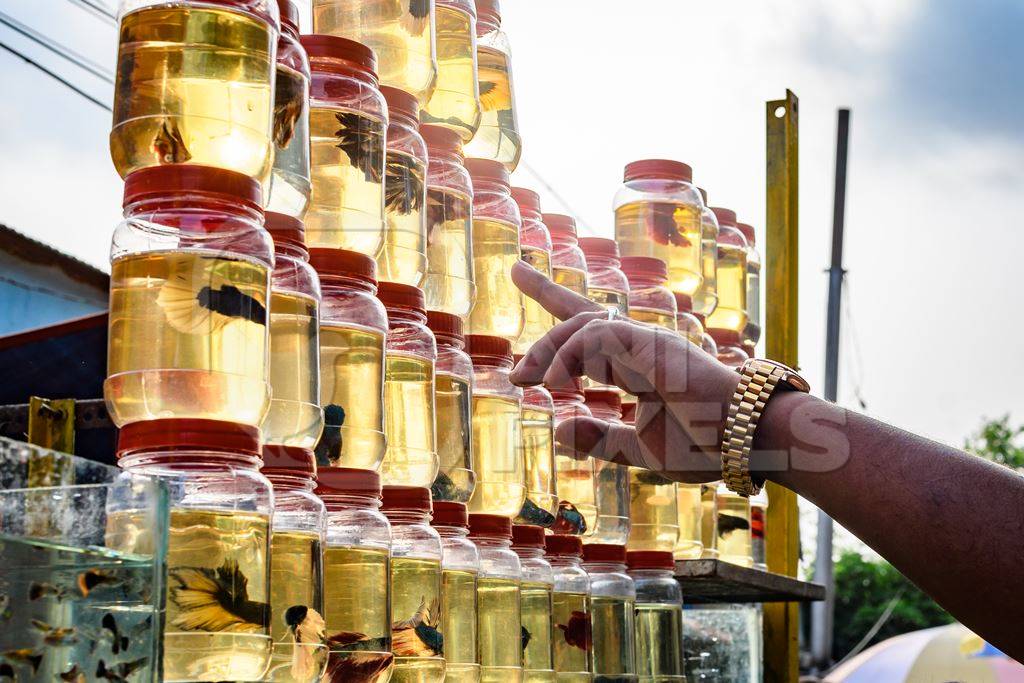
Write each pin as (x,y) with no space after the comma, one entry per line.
(615,443)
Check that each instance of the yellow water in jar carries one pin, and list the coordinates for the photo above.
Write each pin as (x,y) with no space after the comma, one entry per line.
(453,405)
(734,542)
(498,136)
(498,621)
(416,620)
(667,231)
(653,316)
(659,643)
(455,103)
(706,298)
(571,278)
(612,485)
(210,553)
(458,624)
(539,461)
(346,209)
(688,502)
(448,286)
(535,609)
(400,32)
(294,418)
(732,290)
(609,299)
(570,623)
(352,396)
(499,307)
(577,494)
(296,578)
(193,86)
(356,599)
(708,522)
(404,256)
(653,511)
(752,330)
(290,185)
(411,456)
(497,432)
(536,321)
(614,637)
(187,338)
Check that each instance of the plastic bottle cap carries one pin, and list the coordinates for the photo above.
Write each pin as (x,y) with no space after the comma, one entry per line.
(657,169)
(489,10)
(489,526)
(563,394)
(644,268)
(528,200)
(354,55)
(650,559)
(604,552)
(186,434)
(155,182)
(487,171)
(397,295)
(445,325)
(748,232)
(289,14)
(286,229)
(605,398)
(725,337)
(599,246)
(703,195)
(401,102)
(441,139)
(348,480)
(450,513)
(415,498)
(281,459)
(560,225)
(527,536)
(684,302)
(486,350)
(567,546)
(342,263)
(724,216)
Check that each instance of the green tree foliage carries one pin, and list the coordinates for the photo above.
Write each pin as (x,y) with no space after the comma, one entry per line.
(999,441)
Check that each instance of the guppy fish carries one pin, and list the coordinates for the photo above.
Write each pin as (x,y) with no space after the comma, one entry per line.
(362,142)
(306,626)
(24,656)
(403,185)
(577,631)
(73,675)
(531,513)
(354,658)
(215,600)
(419,636)
(569,521)
(730,523)
(91,579)
(328,448)
(38,591)
(54,635)
(119,673)
(118,642)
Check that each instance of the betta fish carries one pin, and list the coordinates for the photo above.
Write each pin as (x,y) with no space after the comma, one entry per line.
(54,635)
(24,656)
(328,448)
(415,21)
(419,636)
(531,513)
(525,637)
(215,600)
(444,488)
(569,520)
(169,145)
(232,302)
(355,658)
(307,628)
(215,304)
(362,141)
(577,631)
(91,579)
(403,184)
(494,92)
(289,98)
(445,211)
(649,477)
(662,226)
(729,523)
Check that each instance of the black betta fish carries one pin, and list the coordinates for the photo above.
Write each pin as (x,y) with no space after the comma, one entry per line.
(232,302)
(215,600)
(328,448)
(569,520)
(577,632)
(362,141)
(419,636)
(531,513)
(403,184)
(289,98)
(525,637)
(415,21)
(729,523)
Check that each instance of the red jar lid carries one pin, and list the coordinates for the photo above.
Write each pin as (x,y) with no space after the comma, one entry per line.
(604,552)
(441,139)
(414,498)
(644,267)
(488,10)
(724,216)
(599,246)
(289,14)
(560,225)
(724,337)
(286,229)
(354,55)
(487,170)
(185,434)
(486,350)
(401,102)
(564,546)
(607,399)
(650,559)
(527,536)
(342,263)
(702,320)
(156,182)
(450,513)
(748,232)
(566,394)
(397,295)
(703,195)
(657,169)
(489,526)
(280,459)
(445,326)
(684,302)
(347,480)
(528,200)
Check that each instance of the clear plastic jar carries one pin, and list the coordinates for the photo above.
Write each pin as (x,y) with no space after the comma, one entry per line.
(357,571)
(535,603)
(460,568)
(290,185)
(499,307)
(688,503)
(535,247)
(347,123)
(729,346)
(570,611)
(758,529)
(453,409)
(295,417)
(499,612)
(297,534)
(706,297)
(734,538)
(416,554)
(498,135)
(538,446)
(220,512)
(658,214)
(650,300)
(497,435)
(449,283)
(612,604)
(404,256)
(455,103)
(707,342)
(709,521)
(731,312)
(653,511)
(568,264)
(611,478)
(409,359)
(195,85)
(752,330)
(353,326)
(606,283)
(401,34)
(659,617)
(189,291)
(574,472)
(687,324)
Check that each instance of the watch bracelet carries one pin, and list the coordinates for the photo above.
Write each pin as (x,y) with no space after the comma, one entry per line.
(738,437)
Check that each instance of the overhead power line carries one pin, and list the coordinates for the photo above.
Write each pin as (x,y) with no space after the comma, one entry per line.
(559,198)
(56,48)
(60,79)
(96,9)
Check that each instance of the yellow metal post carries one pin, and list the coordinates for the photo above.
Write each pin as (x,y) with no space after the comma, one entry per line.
(782,261)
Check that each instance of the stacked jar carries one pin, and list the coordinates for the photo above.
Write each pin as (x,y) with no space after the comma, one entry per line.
(731,312)
(538,447)
(690,544)
(455,103)
(611,479)
(535,603)
(659,617)
(706,297)
(687,324)
(653,511)
(650,300)
(568,264)
(734,537)
(612,604)
(460,567)
(758,529)
(606,283)
(729,347)
(574,472)
(453,409)
(570,610)
(709,521)
(498,600)
(535,247)
(752,330)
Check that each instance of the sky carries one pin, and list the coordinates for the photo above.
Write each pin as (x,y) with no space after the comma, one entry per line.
(936,177)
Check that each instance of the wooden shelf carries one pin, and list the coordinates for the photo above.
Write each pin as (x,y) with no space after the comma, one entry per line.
(714,581)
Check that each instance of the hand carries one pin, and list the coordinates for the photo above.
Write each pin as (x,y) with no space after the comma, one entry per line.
(682,392)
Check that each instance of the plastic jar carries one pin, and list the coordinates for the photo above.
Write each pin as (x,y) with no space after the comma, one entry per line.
(688,503)
(729,346)
(687,324)
(357,571)
(401,34)
(612,479)
(612,604)
(658,214)
(535,603)
(535,247)
(194,85)
(731,312)
(752,330)
(189,291)
(574,472)
(568,264)
(455,103)
(709,521)
(220,512)
(707,342)
(570,611)
(538,446)
(498,600)
(659,617)
(606,283)
(453,409)
(449,285)
(497,137)
(295,417)
(734,537)
(650,300)
(290,185)
(706,297)
(498,309)
(409,359)
(297,534)
(460,568)
(497,435)
(758,529)
(653,511)
(353,325)
(404,256)
(347,122)
(416,553)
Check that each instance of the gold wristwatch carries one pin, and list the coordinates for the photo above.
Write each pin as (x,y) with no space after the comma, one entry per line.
(759,379)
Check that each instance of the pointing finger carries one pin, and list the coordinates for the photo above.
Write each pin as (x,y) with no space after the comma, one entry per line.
(557,300)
